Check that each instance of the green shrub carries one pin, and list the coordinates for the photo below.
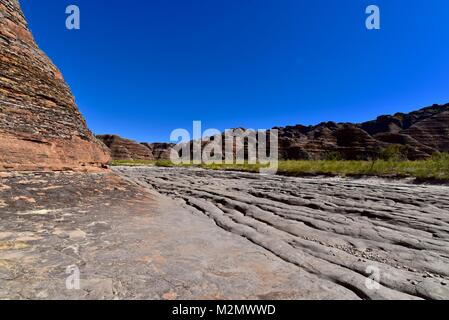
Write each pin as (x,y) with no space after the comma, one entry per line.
(333,156)
(394,152)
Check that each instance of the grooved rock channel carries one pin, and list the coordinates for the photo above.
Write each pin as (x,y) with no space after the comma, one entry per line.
(40,125)
(335,229)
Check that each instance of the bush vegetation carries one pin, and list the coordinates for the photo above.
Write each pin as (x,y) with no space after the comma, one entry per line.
(390,164)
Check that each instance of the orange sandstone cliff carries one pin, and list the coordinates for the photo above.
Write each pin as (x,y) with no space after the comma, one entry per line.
(40,125)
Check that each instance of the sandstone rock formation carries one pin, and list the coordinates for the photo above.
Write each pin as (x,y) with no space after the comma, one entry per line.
(124,149)
(161,151)
(423,132)
(40,125)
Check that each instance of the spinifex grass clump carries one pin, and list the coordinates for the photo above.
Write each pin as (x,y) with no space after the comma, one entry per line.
(148,163)
(436,167)
(133,163)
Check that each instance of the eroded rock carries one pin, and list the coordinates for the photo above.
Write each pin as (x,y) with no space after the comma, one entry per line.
(125,149)
(40,125)
(336,229)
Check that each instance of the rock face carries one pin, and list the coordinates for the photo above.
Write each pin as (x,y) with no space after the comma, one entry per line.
(422,132)
(40,125)
(161,151)
(124,149)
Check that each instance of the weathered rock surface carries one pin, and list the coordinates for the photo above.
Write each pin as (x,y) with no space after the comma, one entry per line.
(40,125)
(125,149)
(339,230)
(196,234)
(130,244)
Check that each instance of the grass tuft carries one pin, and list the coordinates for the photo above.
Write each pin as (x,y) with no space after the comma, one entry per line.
(434,168)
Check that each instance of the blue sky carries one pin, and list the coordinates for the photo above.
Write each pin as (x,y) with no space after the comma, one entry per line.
(142,68)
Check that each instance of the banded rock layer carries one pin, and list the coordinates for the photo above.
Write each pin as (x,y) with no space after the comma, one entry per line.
(423,133)
(40,125)
(420,133)
(125,149)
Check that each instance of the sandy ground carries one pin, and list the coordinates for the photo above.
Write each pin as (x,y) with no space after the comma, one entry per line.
(196,234)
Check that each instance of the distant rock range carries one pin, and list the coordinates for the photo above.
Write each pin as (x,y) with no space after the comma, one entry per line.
(125,149)
(421,133)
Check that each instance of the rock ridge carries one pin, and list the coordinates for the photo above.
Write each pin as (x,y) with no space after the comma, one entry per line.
(418,134)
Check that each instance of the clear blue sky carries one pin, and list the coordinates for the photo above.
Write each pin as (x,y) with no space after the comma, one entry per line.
(141,68)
